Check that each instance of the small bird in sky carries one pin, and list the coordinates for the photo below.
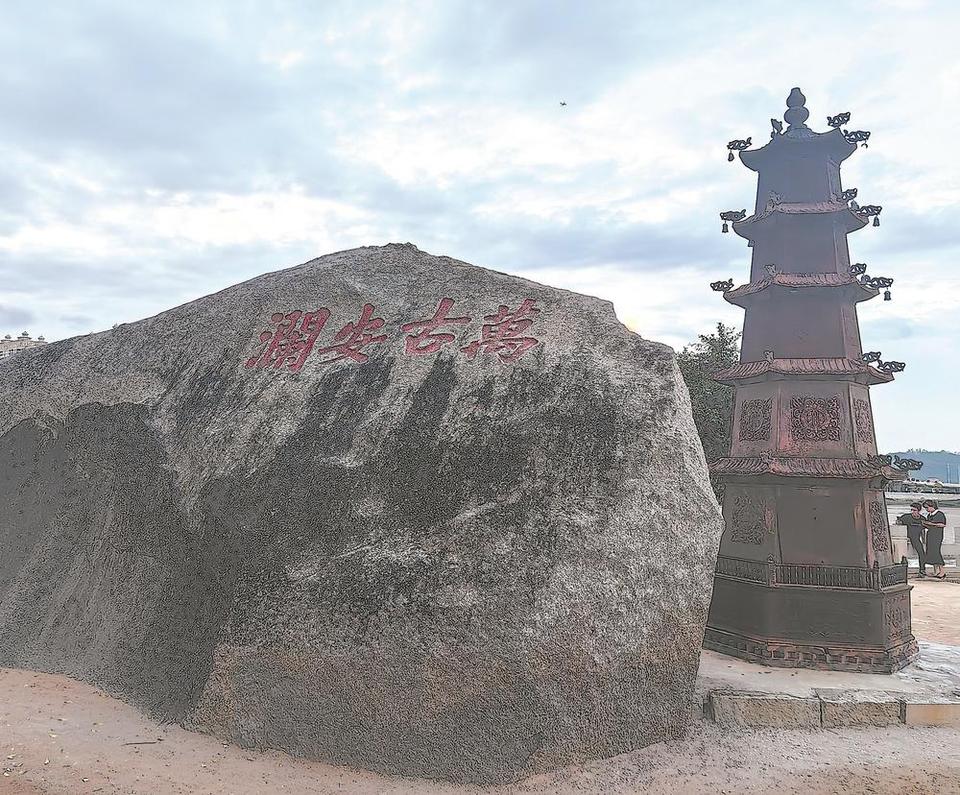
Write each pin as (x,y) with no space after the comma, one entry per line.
(564,104)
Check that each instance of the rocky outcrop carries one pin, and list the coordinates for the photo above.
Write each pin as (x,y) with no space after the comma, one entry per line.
(383,509)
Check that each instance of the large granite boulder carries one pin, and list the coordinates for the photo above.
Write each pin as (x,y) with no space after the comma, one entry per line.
(383,509)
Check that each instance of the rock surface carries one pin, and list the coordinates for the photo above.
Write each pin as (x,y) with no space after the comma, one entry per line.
(470,551)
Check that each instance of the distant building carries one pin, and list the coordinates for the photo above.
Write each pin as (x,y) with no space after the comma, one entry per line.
(929,486)
(10,345)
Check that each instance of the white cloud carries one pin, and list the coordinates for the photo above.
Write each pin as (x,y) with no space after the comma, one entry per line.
(284,59)
(246,137)
(233,220)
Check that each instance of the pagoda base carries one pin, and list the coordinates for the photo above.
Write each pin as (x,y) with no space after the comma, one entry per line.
(833,629)
(792,655)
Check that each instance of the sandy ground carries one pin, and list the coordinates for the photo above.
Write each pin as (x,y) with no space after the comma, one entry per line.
(62,737)
(935,608)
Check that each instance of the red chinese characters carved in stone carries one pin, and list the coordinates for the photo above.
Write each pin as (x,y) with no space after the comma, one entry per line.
(503,333)
(354,336)
(426,339)
(292,341)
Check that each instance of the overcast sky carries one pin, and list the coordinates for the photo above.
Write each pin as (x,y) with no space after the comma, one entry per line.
(151,153)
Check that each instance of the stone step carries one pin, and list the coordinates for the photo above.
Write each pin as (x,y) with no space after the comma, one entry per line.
(829,709)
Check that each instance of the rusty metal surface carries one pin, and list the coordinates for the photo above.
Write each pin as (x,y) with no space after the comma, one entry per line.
(847,577)
(795,467)
(807,368)
(806,575)
(740,296)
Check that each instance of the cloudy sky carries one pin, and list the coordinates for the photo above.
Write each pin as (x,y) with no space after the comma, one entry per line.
(151,153)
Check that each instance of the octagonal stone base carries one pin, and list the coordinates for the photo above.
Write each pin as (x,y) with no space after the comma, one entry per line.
(811,627)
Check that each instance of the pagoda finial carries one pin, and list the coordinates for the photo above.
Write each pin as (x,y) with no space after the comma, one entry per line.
(796,113)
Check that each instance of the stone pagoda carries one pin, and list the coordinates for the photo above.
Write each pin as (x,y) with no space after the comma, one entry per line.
(805,575)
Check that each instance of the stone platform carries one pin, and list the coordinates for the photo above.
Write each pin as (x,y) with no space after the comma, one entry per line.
(740,695)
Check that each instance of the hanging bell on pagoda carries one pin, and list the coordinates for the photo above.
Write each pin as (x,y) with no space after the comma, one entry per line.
(730,157)
(886,295)
(876,220)
(725,228)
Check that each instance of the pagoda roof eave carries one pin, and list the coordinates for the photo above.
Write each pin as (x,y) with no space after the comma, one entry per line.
(810,369)
(841,468)
(831,144)
(748,227)
(741,295)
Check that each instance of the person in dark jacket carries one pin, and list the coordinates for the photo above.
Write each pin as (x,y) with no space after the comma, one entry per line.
(935,521)
(916,532)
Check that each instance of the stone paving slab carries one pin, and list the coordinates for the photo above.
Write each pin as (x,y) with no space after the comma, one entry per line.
(858,708)
(733,710)
(741,695)
(930,711)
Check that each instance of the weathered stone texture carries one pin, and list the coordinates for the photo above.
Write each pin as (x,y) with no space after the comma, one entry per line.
(858,708)
(424,564)
(746,710)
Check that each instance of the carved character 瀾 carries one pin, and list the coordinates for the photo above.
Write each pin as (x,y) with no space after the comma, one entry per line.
(291,342)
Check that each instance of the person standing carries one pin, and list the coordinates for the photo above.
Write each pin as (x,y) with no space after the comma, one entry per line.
(935,521)
(915,532)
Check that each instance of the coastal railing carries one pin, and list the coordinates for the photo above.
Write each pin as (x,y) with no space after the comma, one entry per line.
(774,574)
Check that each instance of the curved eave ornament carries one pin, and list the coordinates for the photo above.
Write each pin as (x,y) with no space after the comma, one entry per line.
(751,227)
(816,468)
(742,295)
(813,369)
(833,143)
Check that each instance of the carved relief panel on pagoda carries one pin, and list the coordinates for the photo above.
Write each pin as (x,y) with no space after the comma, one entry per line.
(751,517)
(755,421)
(864,436)
(880,547)
(815,419)
(793,418)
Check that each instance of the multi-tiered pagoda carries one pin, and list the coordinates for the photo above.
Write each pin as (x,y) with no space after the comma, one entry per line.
(805,576)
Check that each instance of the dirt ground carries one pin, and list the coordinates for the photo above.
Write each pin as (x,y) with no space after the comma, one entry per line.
(61,737)
(936,610)
(64,737)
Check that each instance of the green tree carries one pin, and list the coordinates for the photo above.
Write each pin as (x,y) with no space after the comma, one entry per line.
(712,402)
